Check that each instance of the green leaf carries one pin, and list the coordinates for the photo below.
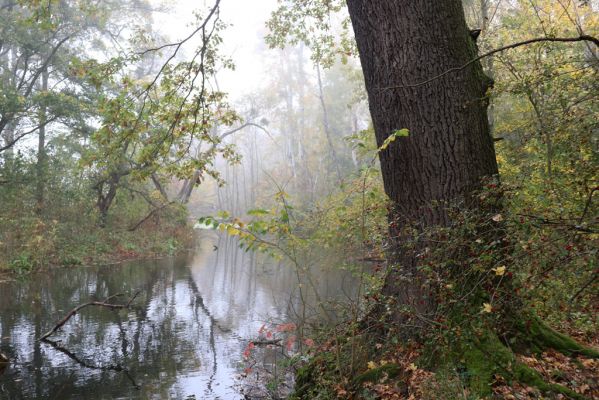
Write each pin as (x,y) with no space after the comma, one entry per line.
(258,212)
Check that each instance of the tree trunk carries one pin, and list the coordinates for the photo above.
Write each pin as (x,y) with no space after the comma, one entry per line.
(402,44)
(42,157)
(326,126)
(106,197)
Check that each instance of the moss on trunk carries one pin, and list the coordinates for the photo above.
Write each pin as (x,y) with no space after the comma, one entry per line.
(487,356)
(537,336)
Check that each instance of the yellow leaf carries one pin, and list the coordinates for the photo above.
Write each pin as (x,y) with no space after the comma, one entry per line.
(499,271)
(487,308)
(371,365)
(497,218)
(232,231)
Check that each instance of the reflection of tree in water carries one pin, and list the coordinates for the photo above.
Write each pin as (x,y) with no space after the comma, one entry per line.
(184,334)
(151,346)
(85,364)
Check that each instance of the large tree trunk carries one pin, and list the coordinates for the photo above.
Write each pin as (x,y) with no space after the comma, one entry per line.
(402,44)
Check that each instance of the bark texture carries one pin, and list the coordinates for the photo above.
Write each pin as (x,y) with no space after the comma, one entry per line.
(402,45)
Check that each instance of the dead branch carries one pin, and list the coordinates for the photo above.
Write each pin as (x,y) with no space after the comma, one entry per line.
(104,303)
(275,342)
(560,223)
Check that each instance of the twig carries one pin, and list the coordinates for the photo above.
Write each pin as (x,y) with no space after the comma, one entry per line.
(560,223)
(75,310)
(583,288)
(581,38)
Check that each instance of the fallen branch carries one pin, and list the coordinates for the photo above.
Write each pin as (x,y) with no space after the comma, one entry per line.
(266,342)
(104,303)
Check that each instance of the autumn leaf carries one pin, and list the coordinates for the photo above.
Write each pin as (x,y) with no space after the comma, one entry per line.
(497,218)
(499,271)
(487,308)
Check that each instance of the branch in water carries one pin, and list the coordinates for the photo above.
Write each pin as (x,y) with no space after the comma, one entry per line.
(75,310)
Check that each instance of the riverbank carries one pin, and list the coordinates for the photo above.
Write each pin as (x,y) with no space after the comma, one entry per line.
(39,244)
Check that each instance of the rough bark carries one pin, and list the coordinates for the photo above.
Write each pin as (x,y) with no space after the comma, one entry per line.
(449,149)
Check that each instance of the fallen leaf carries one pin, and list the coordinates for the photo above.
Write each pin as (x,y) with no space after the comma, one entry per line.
(499,271)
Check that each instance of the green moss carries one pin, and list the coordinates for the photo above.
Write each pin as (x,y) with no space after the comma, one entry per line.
(529,376)
(483,358)
(541,337)
(486,356)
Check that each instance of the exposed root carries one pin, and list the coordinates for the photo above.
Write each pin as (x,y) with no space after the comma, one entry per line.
(537,336)
(487,357)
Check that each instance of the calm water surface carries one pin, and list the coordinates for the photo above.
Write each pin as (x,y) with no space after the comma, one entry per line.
(182,339)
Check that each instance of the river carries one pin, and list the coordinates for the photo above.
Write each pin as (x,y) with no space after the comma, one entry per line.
(182,338)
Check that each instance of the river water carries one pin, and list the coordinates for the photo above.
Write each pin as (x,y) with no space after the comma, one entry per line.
(183,337)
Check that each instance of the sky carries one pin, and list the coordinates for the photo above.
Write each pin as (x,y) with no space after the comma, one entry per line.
(241,41)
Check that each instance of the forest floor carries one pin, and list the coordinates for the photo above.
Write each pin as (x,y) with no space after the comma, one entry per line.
(407,381)
(579,374)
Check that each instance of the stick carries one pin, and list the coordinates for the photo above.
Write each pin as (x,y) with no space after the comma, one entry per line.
(266,342)
(75,310)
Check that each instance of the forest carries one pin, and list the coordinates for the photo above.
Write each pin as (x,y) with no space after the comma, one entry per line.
(303,199)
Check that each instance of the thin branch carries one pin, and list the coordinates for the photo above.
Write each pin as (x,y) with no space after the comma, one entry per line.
(581,38)
(147,217)
(560,223)
(14,141)
(180,43)
(584,287)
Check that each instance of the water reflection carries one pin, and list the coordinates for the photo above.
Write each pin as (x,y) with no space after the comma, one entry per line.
(183,337)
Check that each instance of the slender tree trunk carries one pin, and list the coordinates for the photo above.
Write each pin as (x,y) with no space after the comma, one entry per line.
(449,150)
(326,125)
(489,61)
(42,157)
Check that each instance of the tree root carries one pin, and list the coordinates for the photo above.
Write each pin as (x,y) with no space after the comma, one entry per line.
(487,356)
(537,336)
